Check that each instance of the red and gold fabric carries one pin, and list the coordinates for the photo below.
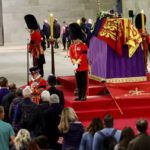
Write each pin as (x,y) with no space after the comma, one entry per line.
(120,31)
(131,36)
(78,53)
(111,33)
(35,44)
(37,87)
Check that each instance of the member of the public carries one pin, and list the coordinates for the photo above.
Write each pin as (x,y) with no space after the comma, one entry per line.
(78,55)
(46,30)
(63,35)
(35,43)
(142,140)
(37,84)
(56,32)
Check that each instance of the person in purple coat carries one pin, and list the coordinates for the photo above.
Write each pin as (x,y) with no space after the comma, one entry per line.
(70,128)
(3,88)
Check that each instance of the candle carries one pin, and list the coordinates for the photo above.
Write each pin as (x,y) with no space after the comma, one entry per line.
(142,18)
(51,24)
(78,22)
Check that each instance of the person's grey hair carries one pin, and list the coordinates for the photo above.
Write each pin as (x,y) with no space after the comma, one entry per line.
(54,99)
(23,137)
(45,96)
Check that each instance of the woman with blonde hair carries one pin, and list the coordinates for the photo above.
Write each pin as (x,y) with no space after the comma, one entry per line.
(22,140)
(71,128)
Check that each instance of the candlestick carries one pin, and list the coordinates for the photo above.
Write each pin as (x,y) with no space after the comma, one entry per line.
(143,24)
(51,24)
(78,22)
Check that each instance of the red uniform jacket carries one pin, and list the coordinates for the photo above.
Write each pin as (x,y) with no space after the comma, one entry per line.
(147,39)
(35,44)
(79,52)
(37,87)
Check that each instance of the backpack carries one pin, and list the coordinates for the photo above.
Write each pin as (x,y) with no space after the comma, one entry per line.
(109,141)
(27,111)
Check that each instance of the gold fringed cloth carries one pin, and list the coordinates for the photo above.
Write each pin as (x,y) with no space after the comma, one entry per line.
(120,31)
(132,38)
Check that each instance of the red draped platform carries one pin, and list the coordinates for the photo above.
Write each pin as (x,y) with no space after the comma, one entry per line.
(127,102)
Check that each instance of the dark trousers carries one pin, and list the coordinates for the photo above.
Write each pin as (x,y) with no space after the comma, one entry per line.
(64,41)
(39,62)
(81,79)
(56,44)
(48,44)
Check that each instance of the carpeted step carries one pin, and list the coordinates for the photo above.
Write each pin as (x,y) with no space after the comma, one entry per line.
(94,102)
(94,87)
(133,102)
(67,81)
(139,112)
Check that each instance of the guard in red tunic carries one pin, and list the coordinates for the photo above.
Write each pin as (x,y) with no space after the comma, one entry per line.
(37,84)
(35,43)
(138,23)
(78,55)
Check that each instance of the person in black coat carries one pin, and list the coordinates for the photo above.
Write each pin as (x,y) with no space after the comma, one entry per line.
(51,117)
(56,32)
(142,140)
(36,124)
(46,30)
(52,81)
(7,99)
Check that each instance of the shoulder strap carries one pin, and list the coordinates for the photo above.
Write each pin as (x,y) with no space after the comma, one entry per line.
(113,132)
(102,134)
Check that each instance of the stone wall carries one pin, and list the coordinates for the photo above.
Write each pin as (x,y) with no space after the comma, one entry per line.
(64,10)
(1,24)
(15,10)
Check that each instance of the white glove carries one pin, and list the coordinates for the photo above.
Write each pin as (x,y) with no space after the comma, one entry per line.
(75,66)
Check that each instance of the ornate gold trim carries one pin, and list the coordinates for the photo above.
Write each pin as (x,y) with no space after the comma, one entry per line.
(118,80)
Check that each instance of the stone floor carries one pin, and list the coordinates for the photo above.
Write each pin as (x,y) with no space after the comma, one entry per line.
(13,60)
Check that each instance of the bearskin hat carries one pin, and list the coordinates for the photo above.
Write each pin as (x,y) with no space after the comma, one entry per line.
(76,32)
(31,22)
(138,21)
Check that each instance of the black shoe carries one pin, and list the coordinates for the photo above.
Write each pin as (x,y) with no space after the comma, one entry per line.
(83,99)
(77,99)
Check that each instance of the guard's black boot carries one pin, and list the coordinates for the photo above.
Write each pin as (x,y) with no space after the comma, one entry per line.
(77,99)
(83,99)
(79,95)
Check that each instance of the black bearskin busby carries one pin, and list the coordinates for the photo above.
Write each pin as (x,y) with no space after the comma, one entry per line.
(31,22)
(138,21)
(76,32)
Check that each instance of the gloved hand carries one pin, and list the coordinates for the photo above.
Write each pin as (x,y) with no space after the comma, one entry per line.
(74,61)
(75,66)
(78,61)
